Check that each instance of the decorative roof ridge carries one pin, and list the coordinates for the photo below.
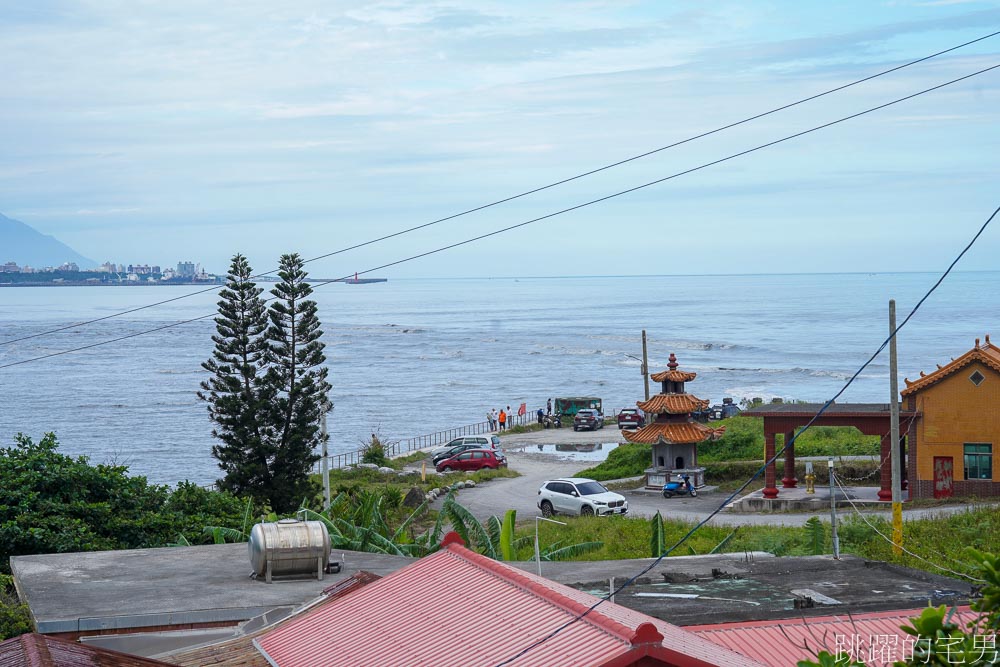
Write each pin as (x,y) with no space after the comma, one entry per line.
(528,583)
(987,354)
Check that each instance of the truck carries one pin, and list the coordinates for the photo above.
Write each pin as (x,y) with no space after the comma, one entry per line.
(570,406)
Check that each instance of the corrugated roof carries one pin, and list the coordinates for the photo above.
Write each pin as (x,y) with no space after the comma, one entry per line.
(241,652)
(987,354)
(874,638)
(666,433)
(675,404)
(35,650)
(456,607)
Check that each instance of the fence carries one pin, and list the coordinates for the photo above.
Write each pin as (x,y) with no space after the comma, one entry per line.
(400,447)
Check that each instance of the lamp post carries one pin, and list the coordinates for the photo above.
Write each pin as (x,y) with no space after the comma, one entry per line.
(642,368)
(538,557)
(327,407)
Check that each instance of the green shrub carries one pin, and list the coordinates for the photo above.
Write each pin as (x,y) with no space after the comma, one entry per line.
(15,619)
(374,452)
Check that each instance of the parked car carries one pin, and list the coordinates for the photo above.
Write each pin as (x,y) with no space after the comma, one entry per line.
(589,419)
(584,497)
(473,459)
(631,418)
(724,411)
(487,441)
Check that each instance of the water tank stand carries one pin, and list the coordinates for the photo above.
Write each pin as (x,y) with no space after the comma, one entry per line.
(320,569)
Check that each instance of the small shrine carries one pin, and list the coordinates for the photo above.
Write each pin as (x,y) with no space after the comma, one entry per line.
(672,430)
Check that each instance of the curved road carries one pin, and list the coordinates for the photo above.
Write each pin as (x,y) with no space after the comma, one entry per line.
(520,493)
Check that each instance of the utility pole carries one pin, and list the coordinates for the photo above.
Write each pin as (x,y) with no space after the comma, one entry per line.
(325,466)
(897,490)
(645,364)
(833,513)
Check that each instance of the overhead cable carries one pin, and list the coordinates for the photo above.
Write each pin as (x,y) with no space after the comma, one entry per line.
(767,463)
(526,192)
(547,216)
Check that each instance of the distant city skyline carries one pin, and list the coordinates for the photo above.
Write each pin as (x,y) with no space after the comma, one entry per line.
(147,130)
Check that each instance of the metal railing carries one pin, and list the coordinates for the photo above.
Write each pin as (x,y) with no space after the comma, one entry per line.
(401,447)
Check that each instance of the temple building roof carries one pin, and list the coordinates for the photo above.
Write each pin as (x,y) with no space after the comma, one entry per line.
(675,404)
(672,376)
(987,354)
(668,433)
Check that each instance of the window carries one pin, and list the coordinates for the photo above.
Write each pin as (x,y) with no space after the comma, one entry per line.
(977,378)
(978,460)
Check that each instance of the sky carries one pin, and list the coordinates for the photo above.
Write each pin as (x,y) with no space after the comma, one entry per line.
(151,132)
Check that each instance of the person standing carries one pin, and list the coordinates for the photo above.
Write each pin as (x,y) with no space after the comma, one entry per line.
(548,407)
(496,420)
(510,417)
(503,420)
(489,420)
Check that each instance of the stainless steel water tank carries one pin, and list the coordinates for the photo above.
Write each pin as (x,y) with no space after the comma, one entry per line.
(289,547)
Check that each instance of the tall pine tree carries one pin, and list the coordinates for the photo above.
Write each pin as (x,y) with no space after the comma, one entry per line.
(233,391)
(296,386)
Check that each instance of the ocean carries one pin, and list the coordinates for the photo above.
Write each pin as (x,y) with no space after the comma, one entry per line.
(409,357)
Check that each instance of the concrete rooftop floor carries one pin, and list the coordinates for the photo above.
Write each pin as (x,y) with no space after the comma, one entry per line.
(131,590)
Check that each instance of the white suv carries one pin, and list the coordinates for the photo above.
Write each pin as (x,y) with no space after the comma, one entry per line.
(584,497)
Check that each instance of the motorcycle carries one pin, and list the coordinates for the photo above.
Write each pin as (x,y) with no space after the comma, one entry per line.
(552,421)
(682,488)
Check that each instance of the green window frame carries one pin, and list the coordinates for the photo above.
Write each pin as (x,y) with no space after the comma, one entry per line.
(978,460)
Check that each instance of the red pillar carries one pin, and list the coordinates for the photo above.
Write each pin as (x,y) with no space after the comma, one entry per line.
(770,490)
(885,493)
(789,481)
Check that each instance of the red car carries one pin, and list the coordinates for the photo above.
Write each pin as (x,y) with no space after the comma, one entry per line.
(630,418)
(473,459)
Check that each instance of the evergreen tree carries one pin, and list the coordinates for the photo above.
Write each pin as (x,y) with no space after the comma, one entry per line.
(296,386)
(234,391)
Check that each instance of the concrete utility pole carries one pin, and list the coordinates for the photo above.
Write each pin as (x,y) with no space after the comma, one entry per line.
(897,485)
(325,460)
(833,513)
(645,364)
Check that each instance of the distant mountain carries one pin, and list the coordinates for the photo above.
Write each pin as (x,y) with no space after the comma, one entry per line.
(21,244)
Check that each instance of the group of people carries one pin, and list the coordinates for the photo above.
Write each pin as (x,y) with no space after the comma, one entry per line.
(504,418)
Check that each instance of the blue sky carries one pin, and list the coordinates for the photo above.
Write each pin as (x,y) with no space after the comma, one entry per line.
(153,132)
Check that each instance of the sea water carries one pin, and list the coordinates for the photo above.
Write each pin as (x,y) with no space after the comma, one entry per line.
(409,357)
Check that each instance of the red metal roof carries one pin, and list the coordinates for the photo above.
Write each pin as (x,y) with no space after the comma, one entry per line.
(456,607)
(874,638)
(35,650)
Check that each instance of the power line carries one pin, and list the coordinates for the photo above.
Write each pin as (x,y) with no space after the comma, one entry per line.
(770,461)
(525,193)
(547,216)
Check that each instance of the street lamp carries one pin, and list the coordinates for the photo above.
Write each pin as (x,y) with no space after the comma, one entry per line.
(643,370)
(538,557)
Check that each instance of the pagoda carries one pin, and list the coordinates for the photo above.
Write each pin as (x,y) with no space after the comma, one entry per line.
(673,432)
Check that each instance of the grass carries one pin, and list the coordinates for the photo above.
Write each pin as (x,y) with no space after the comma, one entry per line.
(355,480)
(939,539)
(743,442)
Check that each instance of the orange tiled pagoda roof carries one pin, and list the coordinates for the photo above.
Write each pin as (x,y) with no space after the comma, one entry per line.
(673,375)
(988,355)
(675,404)
(681,433)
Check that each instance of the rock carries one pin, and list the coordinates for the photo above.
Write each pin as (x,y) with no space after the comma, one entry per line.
(459,485)
(386,470)
(369,466)
(413,497)
(470,484)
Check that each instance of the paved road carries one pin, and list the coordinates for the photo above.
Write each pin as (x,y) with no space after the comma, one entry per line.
(520,493)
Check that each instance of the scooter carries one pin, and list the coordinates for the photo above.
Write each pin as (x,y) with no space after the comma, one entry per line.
(683,488)
(552,421)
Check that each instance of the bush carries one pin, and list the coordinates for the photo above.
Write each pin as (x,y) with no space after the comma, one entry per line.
(15,619)
(374,452)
